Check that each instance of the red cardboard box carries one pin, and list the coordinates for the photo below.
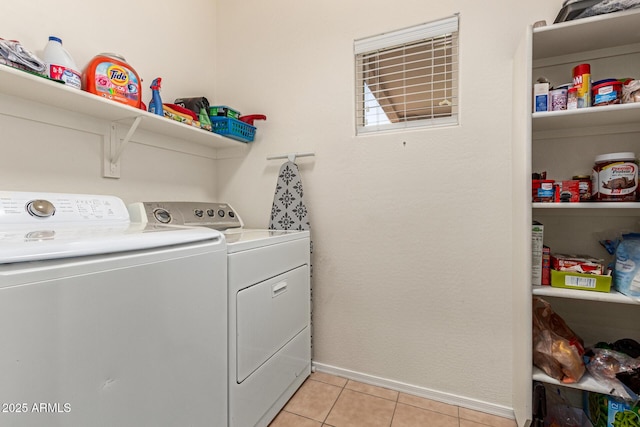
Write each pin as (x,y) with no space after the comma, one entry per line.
(546,266)
(577,263)
(568,191)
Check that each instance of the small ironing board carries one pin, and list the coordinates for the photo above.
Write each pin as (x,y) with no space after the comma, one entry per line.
(289,211)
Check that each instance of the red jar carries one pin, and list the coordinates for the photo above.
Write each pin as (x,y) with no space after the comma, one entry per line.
(584,185)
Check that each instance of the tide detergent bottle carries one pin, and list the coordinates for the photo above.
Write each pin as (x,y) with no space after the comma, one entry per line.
(110,76)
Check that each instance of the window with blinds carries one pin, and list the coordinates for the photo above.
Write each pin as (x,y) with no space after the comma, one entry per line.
(408,78)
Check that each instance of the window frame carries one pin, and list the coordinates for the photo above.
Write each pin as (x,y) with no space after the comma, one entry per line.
(425,33)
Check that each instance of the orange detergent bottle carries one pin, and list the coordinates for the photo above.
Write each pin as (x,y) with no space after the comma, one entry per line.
(108,75)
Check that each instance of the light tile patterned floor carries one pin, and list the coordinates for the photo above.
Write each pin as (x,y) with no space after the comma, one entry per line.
(329,401)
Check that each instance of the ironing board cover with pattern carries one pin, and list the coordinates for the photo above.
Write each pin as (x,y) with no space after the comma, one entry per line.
(289,211)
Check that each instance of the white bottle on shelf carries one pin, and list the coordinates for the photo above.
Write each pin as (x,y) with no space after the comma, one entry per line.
(60,65)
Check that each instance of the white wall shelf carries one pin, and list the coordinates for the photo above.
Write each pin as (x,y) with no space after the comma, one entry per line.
(587,382)
(587,205)
(577,294)
(606,115)
(53,95)
(570,37)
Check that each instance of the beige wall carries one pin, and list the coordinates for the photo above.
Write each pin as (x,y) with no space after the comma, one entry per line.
(412,241)
(158,39)
(411,229)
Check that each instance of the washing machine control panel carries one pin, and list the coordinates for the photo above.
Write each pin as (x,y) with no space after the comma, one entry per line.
(219,216)
(17,207)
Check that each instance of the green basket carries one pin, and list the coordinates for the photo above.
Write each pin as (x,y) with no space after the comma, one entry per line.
(223,111)
(232,128)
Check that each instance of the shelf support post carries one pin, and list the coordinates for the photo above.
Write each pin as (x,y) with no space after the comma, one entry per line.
(113,149)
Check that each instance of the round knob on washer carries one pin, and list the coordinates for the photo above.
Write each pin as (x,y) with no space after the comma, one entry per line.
(41,208)
(162,215)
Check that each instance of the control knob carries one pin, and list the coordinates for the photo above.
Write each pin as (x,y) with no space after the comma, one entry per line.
(162,215)
(40,208)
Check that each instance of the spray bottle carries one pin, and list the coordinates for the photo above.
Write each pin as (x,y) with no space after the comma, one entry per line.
(155,105)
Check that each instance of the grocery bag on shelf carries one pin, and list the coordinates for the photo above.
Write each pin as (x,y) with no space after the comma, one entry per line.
(557,350)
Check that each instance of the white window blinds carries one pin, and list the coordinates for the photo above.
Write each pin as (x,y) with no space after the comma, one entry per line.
(408,78)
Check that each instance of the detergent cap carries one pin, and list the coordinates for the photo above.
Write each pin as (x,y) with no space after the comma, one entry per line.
(113,56)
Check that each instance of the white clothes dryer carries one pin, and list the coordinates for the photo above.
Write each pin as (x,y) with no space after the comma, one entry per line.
(269,306)
(105,322)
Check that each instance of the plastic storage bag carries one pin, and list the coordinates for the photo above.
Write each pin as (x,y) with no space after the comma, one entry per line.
(552,407)
(608,6)
(13,54)
(626,274)
(610,368)
(557,350)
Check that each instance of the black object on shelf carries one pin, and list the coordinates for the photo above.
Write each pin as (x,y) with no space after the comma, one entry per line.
(631,379)
(539,405)
(572,8)
(578,9)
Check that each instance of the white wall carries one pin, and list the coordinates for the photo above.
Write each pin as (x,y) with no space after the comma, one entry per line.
(158,39)
(411,230)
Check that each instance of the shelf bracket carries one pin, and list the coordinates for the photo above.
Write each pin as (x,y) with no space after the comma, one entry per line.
(113,148)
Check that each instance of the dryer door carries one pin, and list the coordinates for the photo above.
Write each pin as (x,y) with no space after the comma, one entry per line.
(268,316)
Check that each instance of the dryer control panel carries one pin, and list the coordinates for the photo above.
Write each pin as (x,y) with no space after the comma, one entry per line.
(219,216)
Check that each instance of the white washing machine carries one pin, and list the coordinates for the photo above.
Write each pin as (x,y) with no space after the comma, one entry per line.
(269,306)
(105,322)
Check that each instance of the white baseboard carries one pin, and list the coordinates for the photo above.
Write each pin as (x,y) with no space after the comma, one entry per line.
(451,399)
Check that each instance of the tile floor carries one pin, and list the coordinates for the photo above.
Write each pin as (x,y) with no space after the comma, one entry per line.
(329,401)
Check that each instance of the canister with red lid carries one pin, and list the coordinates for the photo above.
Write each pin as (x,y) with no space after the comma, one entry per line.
(582,81)
(615,177)
(606,92)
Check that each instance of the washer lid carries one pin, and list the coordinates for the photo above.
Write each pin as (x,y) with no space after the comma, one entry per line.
(36,244)
(242,239)
(40,226)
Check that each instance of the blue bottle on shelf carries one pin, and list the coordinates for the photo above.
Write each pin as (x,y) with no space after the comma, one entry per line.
(155,106)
